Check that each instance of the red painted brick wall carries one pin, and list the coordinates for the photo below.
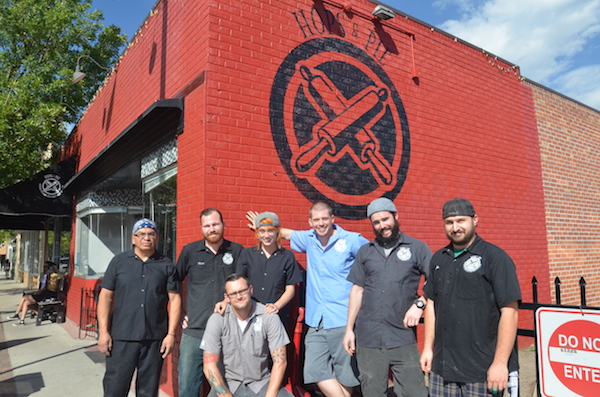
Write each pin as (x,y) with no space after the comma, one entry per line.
(471,121)
(569,143)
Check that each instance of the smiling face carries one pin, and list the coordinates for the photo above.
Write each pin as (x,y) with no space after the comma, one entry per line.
(212,227)
(322,222)
(460,230)
(239,294)
(267,236)
(386,228)
(145,239)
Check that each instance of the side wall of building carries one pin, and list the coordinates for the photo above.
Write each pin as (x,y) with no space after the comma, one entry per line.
(570,147)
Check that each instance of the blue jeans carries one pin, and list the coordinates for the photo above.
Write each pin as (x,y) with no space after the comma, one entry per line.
(190,366)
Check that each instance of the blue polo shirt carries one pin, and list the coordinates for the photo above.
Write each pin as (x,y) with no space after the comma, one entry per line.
(327,290)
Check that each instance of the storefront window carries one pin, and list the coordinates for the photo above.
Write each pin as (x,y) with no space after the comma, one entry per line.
(103,233)
(160,205)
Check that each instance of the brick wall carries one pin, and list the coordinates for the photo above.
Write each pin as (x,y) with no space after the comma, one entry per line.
(569,144)
(448,121)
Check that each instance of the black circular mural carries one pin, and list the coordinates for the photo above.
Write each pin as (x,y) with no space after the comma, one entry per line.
(339,126)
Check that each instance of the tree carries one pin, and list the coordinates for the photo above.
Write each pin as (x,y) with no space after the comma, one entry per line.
(40,43)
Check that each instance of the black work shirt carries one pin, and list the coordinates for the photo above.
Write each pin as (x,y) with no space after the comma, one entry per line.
(390,289)
(270,276)
(140,295)
(468,293)
(206,273)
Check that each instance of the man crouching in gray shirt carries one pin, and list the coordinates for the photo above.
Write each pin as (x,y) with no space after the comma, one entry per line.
(242,340)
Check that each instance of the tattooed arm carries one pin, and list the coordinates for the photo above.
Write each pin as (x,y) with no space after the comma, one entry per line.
(279,357)
(213,375)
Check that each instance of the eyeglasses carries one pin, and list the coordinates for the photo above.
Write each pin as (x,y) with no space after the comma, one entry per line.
(241,292)
(144,235)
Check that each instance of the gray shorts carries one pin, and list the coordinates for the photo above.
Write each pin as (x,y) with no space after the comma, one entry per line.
(325,357)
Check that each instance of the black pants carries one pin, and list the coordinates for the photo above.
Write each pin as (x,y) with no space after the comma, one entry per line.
(124,358)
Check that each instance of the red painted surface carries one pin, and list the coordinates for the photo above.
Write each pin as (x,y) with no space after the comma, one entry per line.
(472,123)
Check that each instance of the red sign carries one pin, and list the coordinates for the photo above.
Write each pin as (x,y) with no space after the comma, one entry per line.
(568,345)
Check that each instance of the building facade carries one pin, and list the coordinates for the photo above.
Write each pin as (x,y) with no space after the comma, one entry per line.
(271,105)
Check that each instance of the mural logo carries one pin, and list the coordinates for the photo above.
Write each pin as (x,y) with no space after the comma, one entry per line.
(51,187)
(339,126)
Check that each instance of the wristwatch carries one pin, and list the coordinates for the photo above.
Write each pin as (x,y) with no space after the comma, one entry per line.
(420,304)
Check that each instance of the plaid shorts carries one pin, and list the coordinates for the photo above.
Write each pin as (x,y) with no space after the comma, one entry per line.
(439,388)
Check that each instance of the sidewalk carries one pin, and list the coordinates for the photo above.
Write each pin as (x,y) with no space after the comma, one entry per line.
(46,360)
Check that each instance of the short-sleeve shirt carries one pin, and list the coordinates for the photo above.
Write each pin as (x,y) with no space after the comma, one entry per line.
(268,276)
(390,289)
(206,273)
(327,290)
(468,292)
(245,355)
(140,295)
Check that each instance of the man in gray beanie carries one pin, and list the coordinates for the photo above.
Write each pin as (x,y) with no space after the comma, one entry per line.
(472,311)
(385,306)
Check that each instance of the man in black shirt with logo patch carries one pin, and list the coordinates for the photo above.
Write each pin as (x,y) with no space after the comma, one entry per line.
(472,311)
(206,264)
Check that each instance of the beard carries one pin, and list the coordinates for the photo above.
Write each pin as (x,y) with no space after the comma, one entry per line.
(386,242)
(213,237)
(460,241)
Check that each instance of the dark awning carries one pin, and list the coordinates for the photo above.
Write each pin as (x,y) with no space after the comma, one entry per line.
(29,204)
(159,124)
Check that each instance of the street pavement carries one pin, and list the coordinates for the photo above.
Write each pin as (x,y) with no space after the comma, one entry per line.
(47,360)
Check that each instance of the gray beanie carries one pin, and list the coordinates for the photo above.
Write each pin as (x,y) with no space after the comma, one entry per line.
(380,204)
(458,207)
(263,215)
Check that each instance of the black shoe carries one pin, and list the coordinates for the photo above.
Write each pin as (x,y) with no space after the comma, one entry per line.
(13,316)
(21,322)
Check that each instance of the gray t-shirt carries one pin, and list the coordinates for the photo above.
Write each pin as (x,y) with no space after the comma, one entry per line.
(245,356)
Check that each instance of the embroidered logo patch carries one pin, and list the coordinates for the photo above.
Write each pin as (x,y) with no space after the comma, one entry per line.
(404,253)
(227,258)
(340,245)
(257,325)
(472,264)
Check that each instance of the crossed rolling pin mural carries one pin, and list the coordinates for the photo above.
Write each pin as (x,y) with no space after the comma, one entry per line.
(345,124)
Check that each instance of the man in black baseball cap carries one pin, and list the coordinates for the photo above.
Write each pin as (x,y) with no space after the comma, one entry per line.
(472,311)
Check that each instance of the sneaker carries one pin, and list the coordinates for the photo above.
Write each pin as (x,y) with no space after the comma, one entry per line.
(21,322)
(13,316)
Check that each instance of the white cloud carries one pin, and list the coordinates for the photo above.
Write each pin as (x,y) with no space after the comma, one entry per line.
(546,38)
(582,84)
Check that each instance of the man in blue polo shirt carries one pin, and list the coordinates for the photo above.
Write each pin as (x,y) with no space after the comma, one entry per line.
(330,252)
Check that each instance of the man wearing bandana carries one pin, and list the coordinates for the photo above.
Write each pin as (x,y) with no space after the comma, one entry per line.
(139,285)
(385,306)
(472,312)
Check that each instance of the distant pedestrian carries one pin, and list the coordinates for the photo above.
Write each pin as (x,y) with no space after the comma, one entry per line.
(138,334)
(7,268)
(48,288)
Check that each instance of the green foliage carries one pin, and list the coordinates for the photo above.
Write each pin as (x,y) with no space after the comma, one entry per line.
(5,235)
(40,42)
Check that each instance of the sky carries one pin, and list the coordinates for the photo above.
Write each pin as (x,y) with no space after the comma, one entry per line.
(556,43)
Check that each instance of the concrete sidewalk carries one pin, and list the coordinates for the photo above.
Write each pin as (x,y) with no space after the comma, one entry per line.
(47,360)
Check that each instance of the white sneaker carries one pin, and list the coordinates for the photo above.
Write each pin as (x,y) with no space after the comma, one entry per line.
(13,316)
(21,322)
